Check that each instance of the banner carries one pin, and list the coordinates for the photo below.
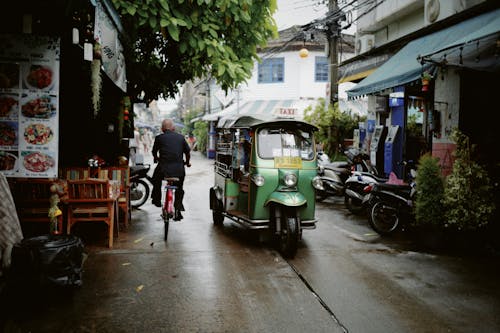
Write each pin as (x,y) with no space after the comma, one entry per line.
(113,61)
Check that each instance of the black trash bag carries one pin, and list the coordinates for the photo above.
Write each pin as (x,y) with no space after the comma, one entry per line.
(48,260)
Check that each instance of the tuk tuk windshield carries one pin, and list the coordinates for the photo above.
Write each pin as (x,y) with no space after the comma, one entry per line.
(280,142)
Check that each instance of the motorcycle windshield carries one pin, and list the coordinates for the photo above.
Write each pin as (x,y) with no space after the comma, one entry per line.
(281,142)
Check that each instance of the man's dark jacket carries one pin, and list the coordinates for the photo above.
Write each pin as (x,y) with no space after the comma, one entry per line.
(171,146)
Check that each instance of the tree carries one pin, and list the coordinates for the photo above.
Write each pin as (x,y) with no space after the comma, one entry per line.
(334,125)
(172,41)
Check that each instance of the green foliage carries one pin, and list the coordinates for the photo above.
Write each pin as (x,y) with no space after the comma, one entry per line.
(468,193)
(413,128)
(188,116)
(334,126)
(430,193)
(172,41)
(201,134)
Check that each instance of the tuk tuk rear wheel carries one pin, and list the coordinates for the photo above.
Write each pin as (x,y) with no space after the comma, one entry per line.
(218,217)
(288,237)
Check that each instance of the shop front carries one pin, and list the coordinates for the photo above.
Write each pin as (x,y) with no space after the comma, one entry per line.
(62,101)
(427,90)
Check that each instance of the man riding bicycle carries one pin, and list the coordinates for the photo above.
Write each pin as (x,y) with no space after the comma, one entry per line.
(168,151)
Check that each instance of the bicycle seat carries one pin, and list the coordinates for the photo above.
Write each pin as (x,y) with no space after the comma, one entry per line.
(171,179)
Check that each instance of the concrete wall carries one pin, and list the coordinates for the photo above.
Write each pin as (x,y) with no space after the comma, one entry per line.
(298,82)
(447,103)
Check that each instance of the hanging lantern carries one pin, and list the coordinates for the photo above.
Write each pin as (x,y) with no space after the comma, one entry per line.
(303,53)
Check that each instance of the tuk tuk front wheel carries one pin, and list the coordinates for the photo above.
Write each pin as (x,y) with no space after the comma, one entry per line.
(288,237)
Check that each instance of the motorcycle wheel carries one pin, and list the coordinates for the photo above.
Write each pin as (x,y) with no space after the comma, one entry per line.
(289,234)
(355,206)
(139,193)
(321,195)
(384,219)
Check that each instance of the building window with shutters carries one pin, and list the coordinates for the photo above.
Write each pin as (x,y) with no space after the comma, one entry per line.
(272,70)
(321,69)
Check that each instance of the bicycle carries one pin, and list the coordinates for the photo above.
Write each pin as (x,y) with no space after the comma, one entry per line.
(168,210)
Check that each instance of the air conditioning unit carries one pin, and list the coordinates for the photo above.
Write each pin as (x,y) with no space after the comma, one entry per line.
(364,43)
(437,10)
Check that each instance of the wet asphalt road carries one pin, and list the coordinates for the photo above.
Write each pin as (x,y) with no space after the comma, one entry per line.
(209,279)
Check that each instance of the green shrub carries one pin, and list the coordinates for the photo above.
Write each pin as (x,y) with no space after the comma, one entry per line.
(201,133)
(468,192)
(430,193)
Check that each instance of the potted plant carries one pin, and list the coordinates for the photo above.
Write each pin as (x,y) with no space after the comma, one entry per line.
(426,79)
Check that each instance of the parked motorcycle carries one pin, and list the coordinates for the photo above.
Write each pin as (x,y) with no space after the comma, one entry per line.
(333,178)
(335,174)
(139,188)
(389,205)
(354,188)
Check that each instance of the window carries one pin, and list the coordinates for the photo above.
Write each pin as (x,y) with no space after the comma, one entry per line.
(271,70)
(321,69)
(279,142)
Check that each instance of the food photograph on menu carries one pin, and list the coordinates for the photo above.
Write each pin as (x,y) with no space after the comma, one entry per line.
(8,161)
(8,133)
(9,75)
(9,104)
(38,106)
(38,162)
(38,77)
(38,134)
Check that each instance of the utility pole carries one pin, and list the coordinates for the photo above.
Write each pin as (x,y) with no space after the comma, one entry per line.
(332,36)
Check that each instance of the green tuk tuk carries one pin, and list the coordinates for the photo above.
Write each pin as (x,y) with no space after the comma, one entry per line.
(265,177)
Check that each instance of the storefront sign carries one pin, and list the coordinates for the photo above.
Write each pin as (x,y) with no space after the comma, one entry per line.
(29,106)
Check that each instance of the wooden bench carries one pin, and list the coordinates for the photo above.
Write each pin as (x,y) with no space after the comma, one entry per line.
(32,200)
(90,200)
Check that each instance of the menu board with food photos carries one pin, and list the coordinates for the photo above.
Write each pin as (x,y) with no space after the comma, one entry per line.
(29,105)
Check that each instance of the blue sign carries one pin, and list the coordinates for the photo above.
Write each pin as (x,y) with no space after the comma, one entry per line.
(370,125)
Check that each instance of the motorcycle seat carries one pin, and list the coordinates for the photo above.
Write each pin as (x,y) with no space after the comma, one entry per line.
(338,165)
(136,168)
(369,174)
(403,190)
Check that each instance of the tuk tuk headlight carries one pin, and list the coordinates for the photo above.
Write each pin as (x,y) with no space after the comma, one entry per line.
(290,179)
(258,180)
(317,183)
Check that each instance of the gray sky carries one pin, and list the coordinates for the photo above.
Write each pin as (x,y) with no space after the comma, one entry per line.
(298,12)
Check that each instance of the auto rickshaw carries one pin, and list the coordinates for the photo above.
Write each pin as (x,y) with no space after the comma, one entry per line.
(265,177)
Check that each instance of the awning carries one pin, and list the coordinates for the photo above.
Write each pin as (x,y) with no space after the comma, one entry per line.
(266,109)
(359,69)
(477,49)
(404,67)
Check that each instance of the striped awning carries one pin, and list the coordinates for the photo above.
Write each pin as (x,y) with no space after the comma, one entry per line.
(265,109)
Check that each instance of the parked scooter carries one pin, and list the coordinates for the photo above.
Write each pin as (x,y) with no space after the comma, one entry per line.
(139,188)
(354,188)
(335,174)
(390,204)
